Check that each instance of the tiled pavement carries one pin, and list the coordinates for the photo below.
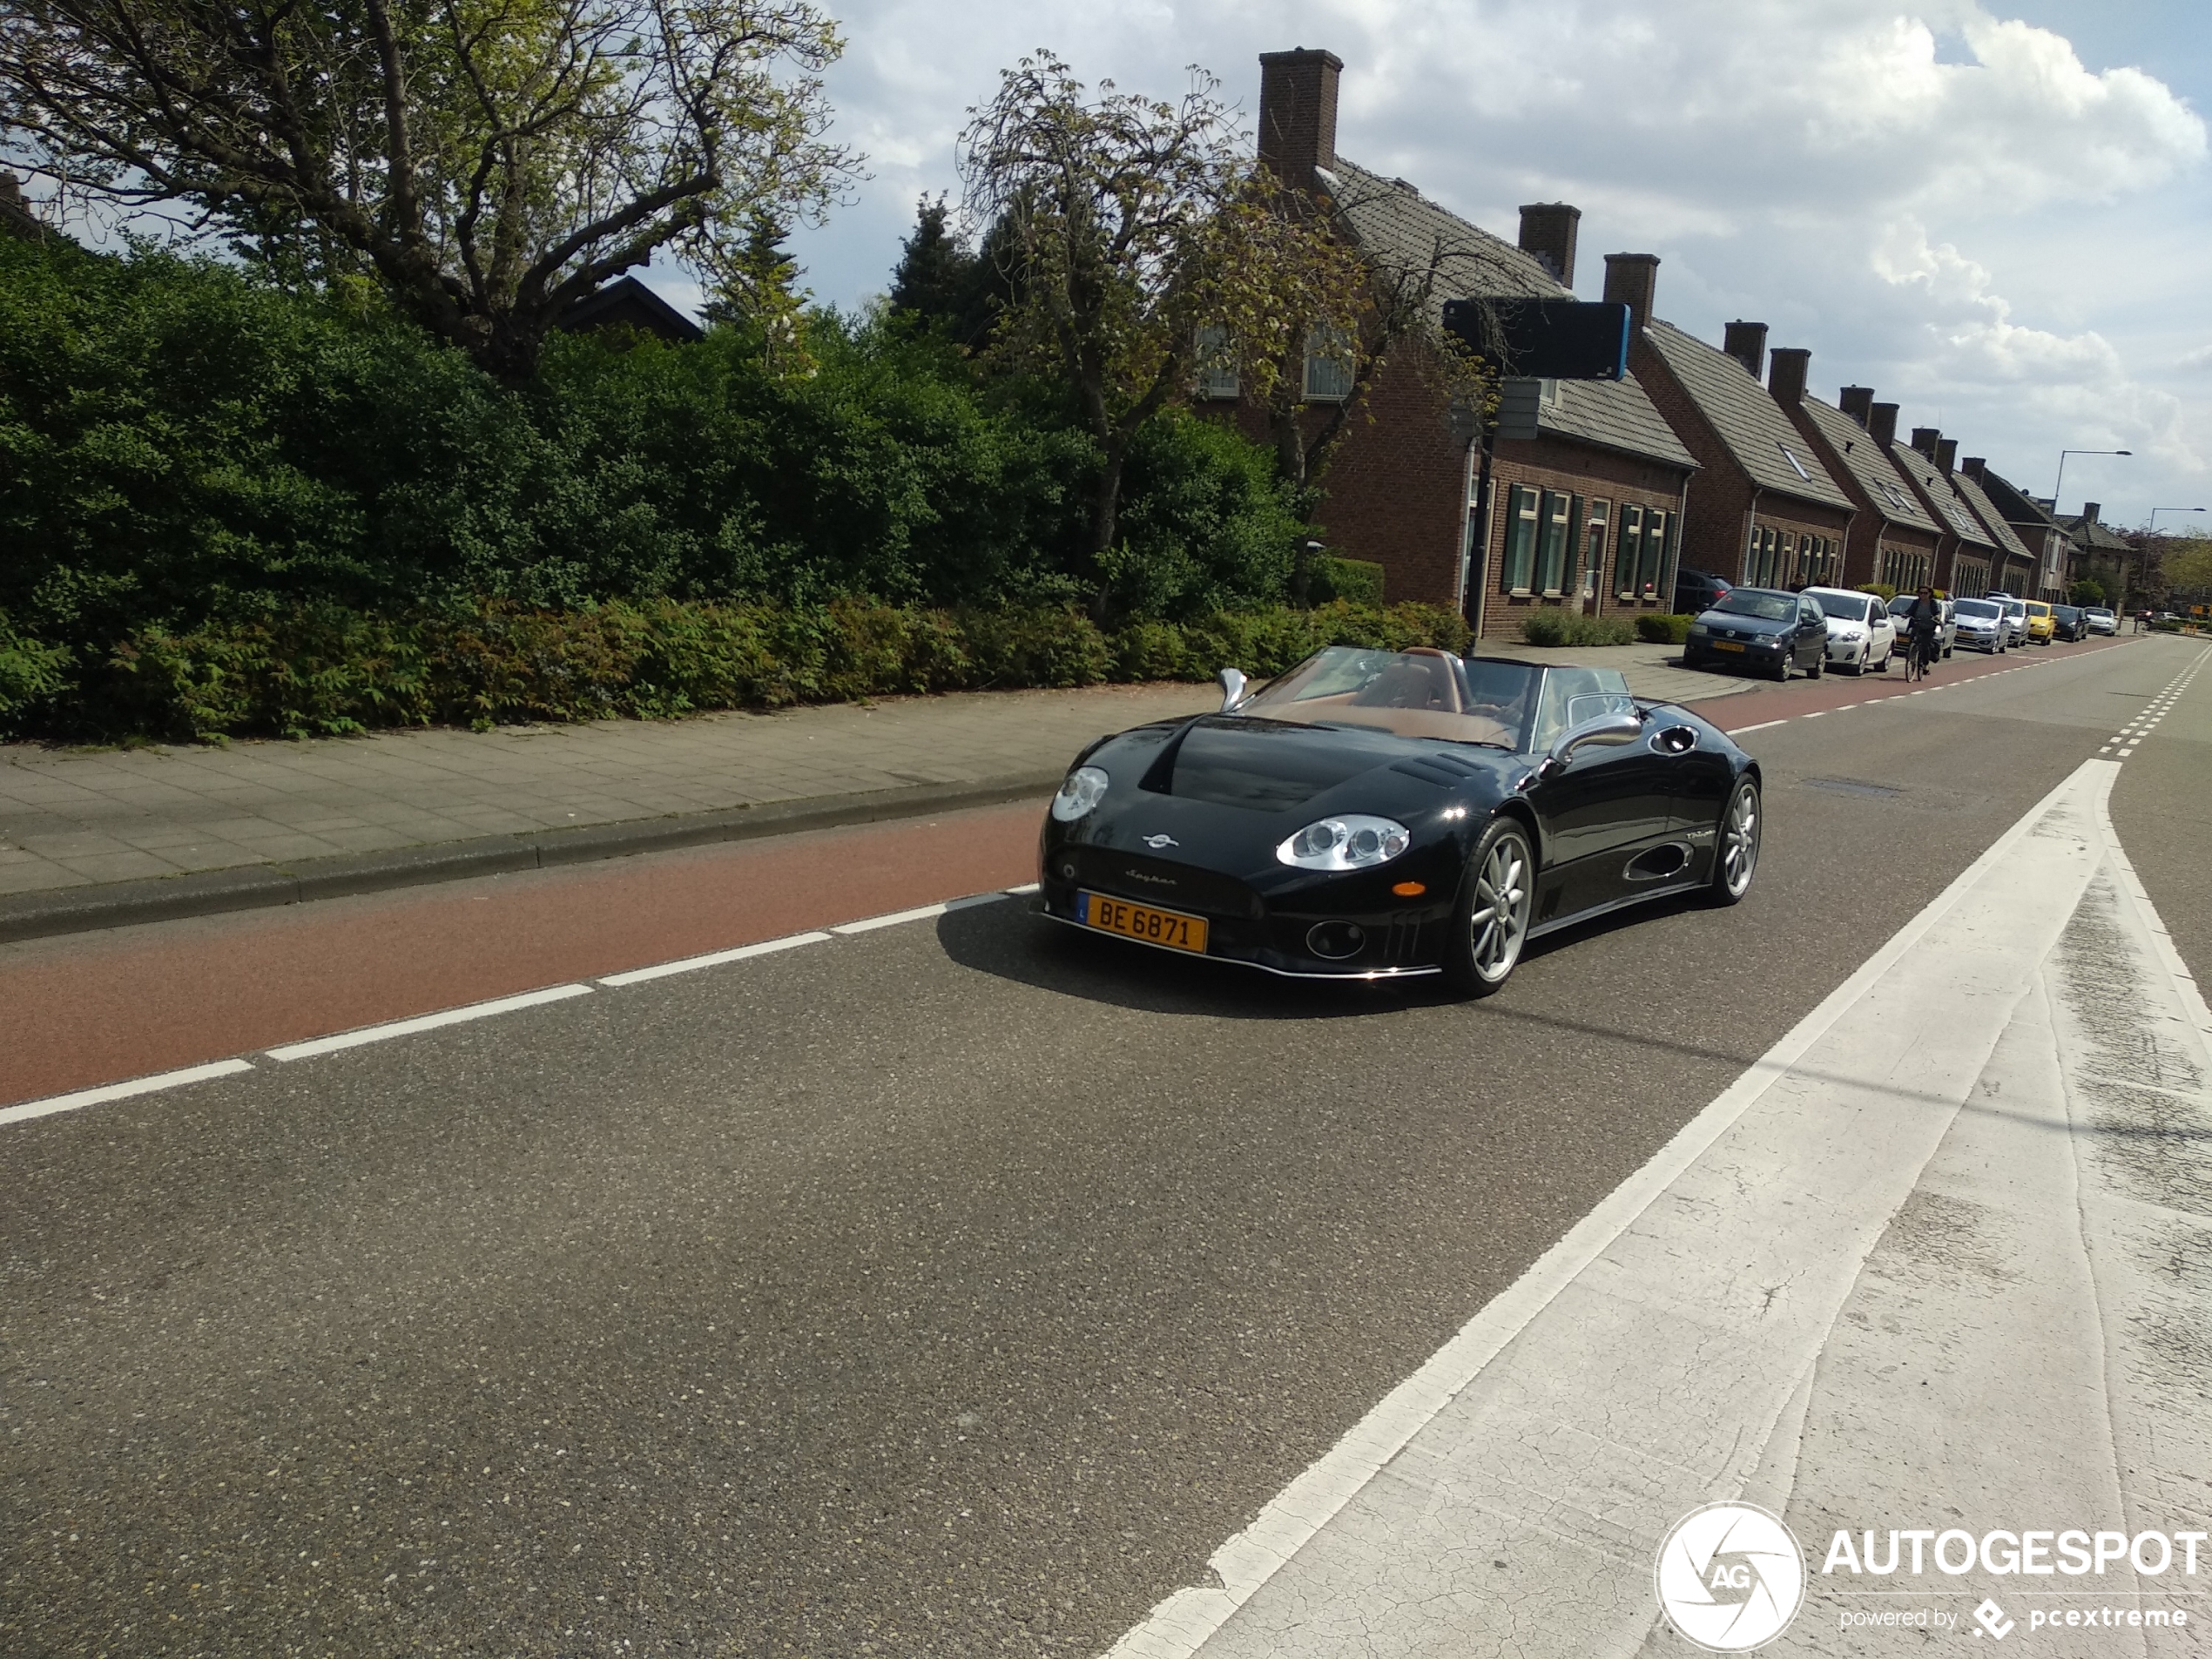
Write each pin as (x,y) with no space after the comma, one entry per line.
(74,819)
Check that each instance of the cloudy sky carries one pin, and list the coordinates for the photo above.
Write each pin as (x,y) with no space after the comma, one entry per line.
(1994,215)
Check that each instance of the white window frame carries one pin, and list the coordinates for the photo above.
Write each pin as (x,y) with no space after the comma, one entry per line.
(1216,369)
(1329,366)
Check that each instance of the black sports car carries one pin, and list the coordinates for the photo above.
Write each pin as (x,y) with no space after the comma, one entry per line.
(1761,628)
(1375,815)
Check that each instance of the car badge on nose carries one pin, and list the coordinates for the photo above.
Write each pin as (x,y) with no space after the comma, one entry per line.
(1156,842)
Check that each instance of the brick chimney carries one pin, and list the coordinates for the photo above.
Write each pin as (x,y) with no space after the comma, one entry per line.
(1856,401)
(1785,376)
(1881,421)
(1924,439)
(1746,343)
(2089,511)
(1946,454)
(1298,113)
(1547,230)
(12,192)
(1632,279)
(1974,467)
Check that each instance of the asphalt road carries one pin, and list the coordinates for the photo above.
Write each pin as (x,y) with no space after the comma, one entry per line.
(953,1288)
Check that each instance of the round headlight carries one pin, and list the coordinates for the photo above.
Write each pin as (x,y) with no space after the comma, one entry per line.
(1354,841)
(1080,791)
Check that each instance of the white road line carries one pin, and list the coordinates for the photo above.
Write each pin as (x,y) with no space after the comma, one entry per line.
(427,1022)
(1026,888)
(714,959)
(100,1096)
(1179,1626)
(921,914)
(1739,731)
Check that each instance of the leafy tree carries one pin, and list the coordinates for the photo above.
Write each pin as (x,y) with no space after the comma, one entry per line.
(489,163)
(1139,230)
(2087,591)
(2186,563)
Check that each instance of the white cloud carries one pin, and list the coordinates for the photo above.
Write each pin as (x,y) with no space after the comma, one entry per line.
(1938,199)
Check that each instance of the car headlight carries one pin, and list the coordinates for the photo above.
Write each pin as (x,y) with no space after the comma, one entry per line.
(1352,842)
(1850,636)
(1698,630)
(1080,791)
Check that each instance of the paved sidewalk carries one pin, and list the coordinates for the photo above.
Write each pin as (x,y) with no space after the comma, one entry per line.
(89,838)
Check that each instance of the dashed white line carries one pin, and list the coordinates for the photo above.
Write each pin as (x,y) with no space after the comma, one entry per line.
(921,912)
(100,1096)
(426,1023)
(713,959)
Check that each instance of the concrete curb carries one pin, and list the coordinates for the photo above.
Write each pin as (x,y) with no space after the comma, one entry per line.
(122,904)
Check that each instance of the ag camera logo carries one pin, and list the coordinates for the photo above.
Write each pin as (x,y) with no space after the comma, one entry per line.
(1730,1576)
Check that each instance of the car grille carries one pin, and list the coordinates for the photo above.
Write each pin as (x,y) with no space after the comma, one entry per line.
(1161,881)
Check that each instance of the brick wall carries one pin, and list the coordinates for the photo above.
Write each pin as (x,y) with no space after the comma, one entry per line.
(1594,475)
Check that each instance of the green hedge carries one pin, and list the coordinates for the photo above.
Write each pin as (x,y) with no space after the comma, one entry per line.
(1550,627)
(184,448)
(1660,629)
(323,671)
(1359,580)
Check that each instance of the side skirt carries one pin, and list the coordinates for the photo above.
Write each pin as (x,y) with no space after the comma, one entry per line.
(1539,929)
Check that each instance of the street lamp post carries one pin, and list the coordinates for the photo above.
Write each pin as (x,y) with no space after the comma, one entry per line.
(2142,559)
(2061,479)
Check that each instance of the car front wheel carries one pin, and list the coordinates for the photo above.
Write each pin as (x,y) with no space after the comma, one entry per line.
(1490,922)
(1736,845)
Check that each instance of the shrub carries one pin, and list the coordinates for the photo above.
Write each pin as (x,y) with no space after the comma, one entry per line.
(1552,626)
(1359,581)
(1656,630)
(1882,590)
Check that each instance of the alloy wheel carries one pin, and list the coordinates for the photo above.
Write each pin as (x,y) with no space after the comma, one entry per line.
(1740,841)
(1498,923)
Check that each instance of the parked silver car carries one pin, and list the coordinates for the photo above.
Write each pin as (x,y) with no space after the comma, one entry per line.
(2015,616)
(1947,632)
(1860,635)
(1982,625)
(2102,621)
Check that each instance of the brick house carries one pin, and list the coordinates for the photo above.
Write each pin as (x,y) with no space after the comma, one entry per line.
(2041,535)
(1586,510)
(1765,511)
(2015,561)
(1973,560)
(1891,530)
(2095,549)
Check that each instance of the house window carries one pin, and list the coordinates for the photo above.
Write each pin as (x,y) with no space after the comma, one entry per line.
(1521,540)
(1653,555)
(1328,366)
(1558,535)
(1627,550)
(1593,547)
(1217,375)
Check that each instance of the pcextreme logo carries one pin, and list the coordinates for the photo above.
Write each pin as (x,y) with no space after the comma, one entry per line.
(1730,1576)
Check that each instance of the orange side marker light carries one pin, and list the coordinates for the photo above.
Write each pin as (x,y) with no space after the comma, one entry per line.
(1410,889)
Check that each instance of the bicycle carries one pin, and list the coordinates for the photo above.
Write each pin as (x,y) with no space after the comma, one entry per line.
(1920,657)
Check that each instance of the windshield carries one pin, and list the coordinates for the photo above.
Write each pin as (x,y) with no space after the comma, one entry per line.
(1844,607)
(1753,601)
(1979,609)
(2066,614)
(1422,693)
(2037,608)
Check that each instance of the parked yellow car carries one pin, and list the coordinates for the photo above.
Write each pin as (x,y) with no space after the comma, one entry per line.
(2040,622)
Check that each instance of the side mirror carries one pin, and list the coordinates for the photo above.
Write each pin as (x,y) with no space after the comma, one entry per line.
(1607,732)
(1232,688)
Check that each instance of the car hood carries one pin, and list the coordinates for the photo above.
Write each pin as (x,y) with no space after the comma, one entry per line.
(1262,766)
(1742,624)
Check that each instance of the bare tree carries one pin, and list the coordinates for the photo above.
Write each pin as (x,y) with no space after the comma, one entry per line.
(488,162)
(1144,237)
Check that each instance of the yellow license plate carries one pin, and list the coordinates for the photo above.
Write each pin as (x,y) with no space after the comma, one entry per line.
(1168,927)
(1726,644)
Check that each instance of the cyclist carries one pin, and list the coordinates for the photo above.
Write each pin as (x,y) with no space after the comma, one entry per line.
(1924,622)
